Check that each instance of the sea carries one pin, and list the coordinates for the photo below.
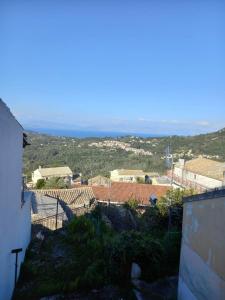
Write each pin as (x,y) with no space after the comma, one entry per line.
(89,134)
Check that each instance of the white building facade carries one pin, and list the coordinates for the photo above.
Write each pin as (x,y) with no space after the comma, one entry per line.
(200,174)
(47,173)
(124,175)
(15,205)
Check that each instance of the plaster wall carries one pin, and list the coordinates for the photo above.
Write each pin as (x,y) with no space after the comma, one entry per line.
(202,263)
(15,223)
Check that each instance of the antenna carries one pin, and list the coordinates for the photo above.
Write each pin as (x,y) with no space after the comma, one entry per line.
(169,160)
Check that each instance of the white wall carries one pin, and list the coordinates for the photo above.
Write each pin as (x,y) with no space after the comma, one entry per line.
(35,176)
(204,181)
(15,223)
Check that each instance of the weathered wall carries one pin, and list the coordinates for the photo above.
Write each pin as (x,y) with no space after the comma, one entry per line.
(202,264)
(14,220)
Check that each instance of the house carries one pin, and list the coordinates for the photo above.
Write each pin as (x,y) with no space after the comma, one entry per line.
(202,263)
(99,180)
(200,174)
(124,175)
(15,204)
(121,192)
(47,173)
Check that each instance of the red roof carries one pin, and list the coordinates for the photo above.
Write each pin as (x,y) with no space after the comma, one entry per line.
(122,192)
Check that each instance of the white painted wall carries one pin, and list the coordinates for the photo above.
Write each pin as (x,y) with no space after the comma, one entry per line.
(15,221)
(204,181)
(36,175)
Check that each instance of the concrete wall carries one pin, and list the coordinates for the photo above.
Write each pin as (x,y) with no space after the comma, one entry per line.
(15,223)
(202,264)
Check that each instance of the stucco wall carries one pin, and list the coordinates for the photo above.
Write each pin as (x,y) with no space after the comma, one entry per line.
(15,222)
(202,264)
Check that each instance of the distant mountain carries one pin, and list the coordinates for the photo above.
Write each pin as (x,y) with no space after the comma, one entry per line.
(91,156)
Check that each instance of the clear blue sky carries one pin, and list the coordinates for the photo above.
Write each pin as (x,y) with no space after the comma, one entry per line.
(143,66)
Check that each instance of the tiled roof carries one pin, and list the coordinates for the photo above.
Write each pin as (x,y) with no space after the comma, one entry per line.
(44,206)
(77,197)
(122,192)
(58,171)
(206,167)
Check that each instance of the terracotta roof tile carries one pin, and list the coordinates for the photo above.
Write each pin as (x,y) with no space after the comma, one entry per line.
(122,192)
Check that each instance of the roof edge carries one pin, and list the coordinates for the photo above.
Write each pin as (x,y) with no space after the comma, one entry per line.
(217,193)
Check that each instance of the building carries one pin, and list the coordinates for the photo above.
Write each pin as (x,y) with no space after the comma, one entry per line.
(47,173)
(200,174)
(99,180)
(124,175)
(15,217)
(202,263)
(121,192)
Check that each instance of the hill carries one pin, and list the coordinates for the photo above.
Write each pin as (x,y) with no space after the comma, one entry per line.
(92,156)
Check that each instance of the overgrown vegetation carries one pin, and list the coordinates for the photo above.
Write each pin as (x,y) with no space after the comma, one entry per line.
(52,183)
(89,253)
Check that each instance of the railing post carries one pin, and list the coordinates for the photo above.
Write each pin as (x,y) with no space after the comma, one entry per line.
(56,216)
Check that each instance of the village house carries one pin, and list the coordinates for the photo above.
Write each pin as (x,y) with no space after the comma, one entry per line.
(124,175)
(121,192)
(202,263)
(99,180)
(47,173)
(200,174)
(15,203)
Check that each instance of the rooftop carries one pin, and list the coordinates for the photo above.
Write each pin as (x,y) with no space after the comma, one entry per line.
(77,197)
(57,171)
(122,192)
(206,167)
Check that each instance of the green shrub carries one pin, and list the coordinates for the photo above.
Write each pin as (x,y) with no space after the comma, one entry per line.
(40,184)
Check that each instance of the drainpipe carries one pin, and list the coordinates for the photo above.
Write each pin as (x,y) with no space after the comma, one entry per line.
(16,251)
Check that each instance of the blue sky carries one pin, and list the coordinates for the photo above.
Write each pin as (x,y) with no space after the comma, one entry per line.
(135,66)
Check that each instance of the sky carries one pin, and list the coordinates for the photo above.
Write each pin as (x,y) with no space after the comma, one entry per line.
(145,66)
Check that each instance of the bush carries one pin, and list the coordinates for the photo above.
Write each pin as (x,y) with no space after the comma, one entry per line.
(40,184)
(131,204)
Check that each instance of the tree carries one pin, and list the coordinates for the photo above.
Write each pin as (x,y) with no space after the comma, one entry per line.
(55,183)
(40,184)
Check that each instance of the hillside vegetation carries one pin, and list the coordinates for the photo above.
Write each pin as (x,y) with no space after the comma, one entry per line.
(93,156)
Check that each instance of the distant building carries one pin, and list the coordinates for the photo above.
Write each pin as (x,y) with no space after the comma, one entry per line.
(202,263)
(124,175)
(200,173)
(121,192)
(15,204)
(161,180)
(99,180)
(47,173)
